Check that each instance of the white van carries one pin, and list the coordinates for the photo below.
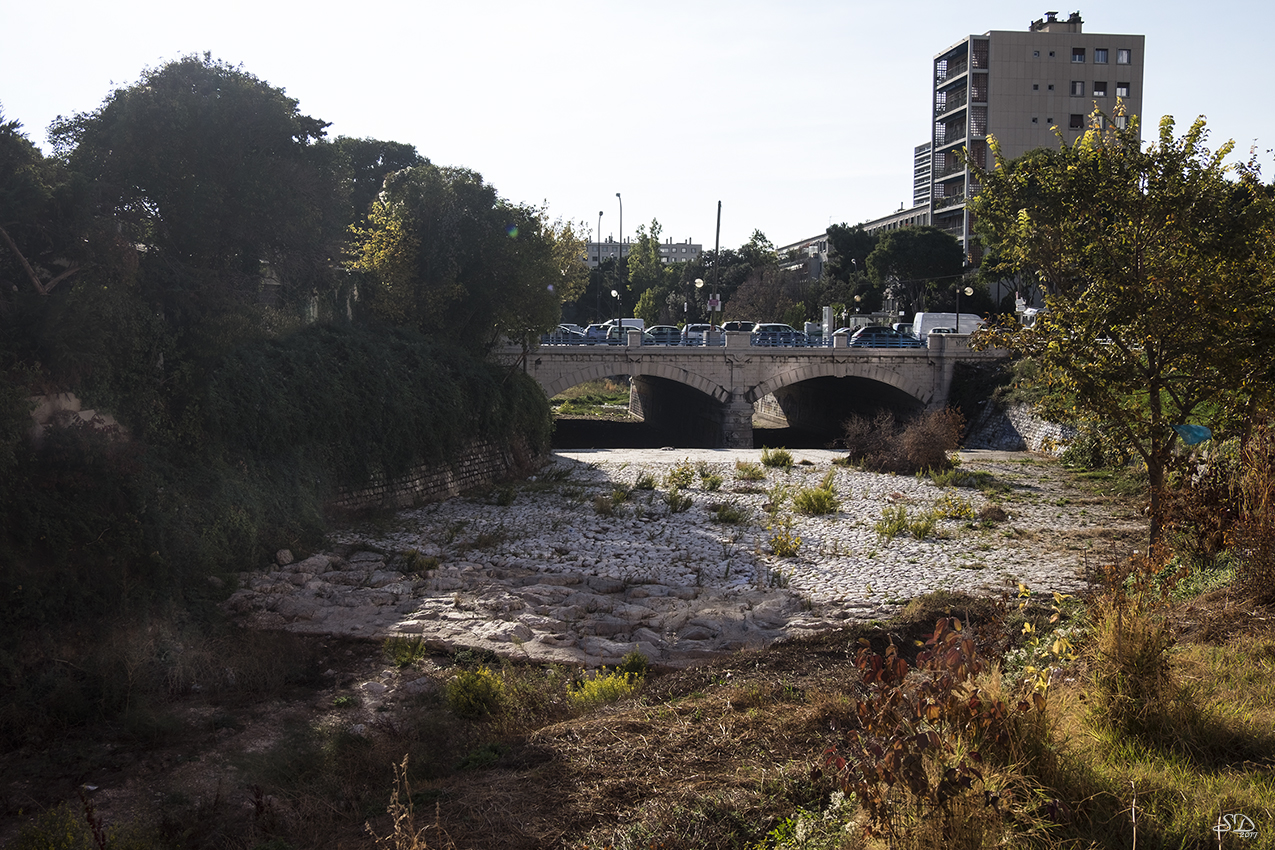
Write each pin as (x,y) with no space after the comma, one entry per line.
(924,323)
(640,324)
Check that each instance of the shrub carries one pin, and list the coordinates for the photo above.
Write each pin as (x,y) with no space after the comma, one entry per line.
(603,687)
(777,458)
(403,650)
(923,443)
(1253,538)
(711,482)
(815,501)
(680,476)
(783,540)
(748,471)
(645,481)
(603,506)
(895,520)
(475,693)
(677,501)
(635,663)
(731,513)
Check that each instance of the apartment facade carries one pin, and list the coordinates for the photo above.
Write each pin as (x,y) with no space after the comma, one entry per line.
(1020,86)
(670,251)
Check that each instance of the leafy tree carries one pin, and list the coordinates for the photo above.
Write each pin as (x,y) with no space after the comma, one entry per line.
(848,250)
(367,162)
(444,253)
(219,176)
(1157,277)
(916,262)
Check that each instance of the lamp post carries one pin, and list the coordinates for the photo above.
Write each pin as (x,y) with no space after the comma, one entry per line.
(597,305)
(615,293)
(699,284)
(620,261)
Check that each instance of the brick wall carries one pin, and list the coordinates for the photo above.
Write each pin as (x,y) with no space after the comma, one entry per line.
(482,464)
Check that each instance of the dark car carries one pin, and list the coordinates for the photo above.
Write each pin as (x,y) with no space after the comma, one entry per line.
(880,336)
(746,327)
(777,334)
(664,334)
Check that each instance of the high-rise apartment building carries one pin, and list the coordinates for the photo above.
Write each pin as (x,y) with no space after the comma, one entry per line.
(1020,86)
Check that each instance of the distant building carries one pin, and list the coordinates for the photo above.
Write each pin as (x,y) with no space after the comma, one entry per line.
(1019,86)
(807,256)
(921,174)
(670,251)
(916,216)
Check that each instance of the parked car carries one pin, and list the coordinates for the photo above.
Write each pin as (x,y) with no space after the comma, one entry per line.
(694,334)
(665,334)
(778,334)
(596,332)
(880,336)
(563,335)
(747,327)
(620,336)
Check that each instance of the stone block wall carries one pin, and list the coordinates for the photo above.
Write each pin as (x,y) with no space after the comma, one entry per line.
(1017,429)
(483,463)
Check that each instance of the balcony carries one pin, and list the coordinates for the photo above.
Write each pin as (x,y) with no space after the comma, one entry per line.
(951,69)
(953,101)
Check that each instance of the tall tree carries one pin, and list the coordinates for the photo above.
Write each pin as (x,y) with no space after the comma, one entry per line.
(915,263)
(367,163)
(217,175)
(1157,278)
(447,255)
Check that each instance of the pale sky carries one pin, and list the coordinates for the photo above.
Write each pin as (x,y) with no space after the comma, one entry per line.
(793,115)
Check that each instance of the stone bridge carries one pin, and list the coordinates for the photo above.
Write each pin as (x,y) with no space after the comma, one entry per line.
(707,395)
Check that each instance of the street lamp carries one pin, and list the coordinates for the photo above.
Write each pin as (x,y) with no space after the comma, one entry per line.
(615,293)
(699,284)
(619,279)
(597,300)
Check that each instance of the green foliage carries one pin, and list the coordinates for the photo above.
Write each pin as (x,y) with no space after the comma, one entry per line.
(404,650)
(475,693)
(921,260)
(784,540)
(731,513)
(815,501)
(446,255)
(895,520)
(645,481)
(748,471)
(677,501)
(1136,347)
(776,458)
(681,476)
(360,403)
(604,687)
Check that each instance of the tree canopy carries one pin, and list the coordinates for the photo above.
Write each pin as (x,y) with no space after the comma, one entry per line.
(447,255)
(916,263)
(1156,269)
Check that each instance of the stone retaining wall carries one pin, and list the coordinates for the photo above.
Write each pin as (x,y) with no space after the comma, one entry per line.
(1016,429)
(483,463)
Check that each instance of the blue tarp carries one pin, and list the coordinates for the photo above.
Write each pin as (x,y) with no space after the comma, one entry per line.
(1192,434)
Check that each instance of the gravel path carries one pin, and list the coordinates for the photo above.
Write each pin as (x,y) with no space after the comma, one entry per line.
(537,569)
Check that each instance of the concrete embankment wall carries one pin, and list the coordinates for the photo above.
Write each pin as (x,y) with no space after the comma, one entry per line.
(1016,429)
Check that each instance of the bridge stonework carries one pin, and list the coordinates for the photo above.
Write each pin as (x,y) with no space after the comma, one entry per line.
(729,380)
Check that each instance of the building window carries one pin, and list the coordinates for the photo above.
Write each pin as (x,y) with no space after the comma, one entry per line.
(1121,121)
(1100,88)
(978,56)
(1036,54)
(1051,86)
(1122,89)
(1077,122)
(978,121)
(1034,120)
(1124,57)
(1078,55)
(1100,56)
(1035,86)
(1051,54)
(1077,88)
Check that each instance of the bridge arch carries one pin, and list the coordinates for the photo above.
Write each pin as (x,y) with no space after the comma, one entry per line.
(914,383)
(597,371)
